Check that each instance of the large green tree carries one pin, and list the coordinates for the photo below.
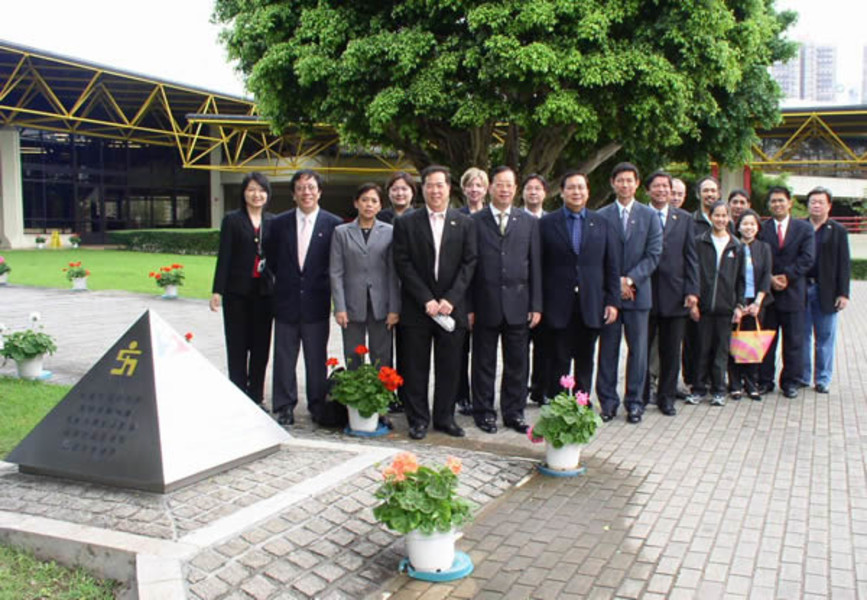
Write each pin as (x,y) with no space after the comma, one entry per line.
(525,82)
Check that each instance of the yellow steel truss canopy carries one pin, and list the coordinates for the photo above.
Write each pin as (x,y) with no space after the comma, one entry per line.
(819,139)
(49,92)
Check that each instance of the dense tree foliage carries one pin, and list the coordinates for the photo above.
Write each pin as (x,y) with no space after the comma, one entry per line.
(470,82)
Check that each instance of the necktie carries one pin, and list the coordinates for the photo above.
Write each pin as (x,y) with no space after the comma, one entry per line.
(576,233)
(625,217)
(661,219)
(303,241)
(780,234)
(436,223)
(504,220)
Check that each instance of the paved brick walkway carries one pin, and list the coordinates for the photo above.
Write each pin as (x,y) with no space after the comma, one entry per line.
(752,499)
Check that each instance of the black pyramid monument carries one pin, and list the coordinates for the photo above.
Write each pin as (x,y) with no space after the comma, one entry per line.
(153,414)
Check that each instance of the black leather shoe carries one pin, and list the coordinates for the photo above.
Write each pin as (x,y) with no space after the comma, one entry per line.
(487,426)
(285,417)
(822,388)
(790,392)
(518,425)
(543,401)
(633,417)
(417,432)
(765,388)
(607,416)
(451,429)
(667,408)
(395,407)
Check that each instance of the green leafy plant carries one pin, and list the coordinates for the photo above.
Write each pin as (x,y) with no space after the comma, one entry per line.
(170,275)
(4,266)
(568,419)
(76,271)
(29,343)
(366,389)
(416,497)
(40,239)
(74,239)
(172,241)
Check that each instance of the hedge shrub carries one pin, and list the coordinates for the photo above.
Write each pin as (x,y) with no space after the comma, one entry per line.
(169,241)
(859,269)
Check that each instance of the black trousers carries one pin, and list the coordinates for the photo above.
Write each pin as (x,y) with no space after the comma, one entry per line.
(714,335)
(247,326)
(576,342)
(669,332)
(789,325)
(540,338)
(513,385)
(415,349)
(288,339)
(464,391)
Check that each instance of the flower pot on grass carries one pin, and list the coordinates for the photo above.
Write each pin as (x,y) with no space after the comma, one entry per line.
(171,291)
(4,271)
(169,278)
(79,284)
(30,368)
(4,278)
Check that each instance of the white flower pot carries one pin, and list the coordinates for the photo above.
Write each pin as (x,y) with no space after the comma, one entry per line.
(4,278)
(74,244)
(30,368)
(562,459)
(171,291)
(359,423)
(79,283)
(431,552)
(40,246)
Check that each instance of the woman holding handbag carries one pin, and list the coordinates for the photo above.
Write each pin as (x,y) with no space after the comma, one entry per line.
(243,286)
(757,287)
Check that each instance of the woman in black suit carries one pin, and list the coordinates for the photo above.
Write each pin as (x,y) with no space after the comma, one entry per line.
(757,294)
(243,285)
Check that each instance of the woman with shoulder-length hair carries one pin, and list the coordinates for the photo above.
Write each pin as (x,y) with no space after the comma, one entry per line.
(401,191)
(364,284)
(243,285)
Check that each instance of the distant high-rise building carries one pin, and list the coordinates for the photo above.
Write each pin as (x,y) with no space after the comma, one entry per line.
(810,76)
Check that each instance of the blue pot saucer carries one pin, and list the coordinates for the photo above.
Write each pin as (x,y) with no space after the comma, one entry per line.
(462,567)
(381,430)
(544,470)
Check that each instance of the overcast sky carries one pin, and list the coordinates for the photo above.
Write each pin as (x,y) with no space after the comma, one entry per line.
(173,39)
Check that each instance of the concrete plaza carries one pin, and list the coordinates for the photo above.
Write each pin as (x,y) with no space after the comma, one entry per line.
(753,499)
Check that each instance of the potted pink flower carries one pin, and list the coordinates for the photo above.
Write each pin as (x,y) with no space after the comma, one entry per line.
(565,424)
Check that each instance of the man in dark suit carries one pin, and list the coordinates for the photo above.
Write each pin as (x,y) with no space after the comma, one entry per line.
(534,190)
(792,249)
(298,251)
(674,286)
(507,294)
(580,281)
(435,256)
(827,289)
(641,239)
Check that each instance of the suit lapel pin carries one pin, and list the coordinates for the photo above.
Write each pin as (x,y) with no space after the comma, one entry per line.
(452,223)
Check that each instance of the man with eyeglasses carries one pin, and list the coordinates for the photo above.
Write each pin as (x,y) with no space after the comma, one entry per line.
(298,250)
(827,290)
(435,253)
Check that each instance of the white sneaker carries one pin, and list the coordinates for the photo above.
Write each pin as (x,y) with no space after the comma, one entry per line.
(718,400)
(694,399)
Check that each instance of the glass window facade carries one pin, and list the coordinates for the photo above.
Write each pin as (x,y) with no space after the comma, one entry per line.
(91,185)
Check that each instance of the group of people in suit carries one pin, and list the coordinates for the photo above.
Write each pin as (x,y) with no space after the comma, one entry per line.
(423,278)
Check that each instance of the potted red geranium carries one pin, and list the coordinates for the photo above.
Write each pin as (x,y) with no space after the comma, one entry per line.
(365,391)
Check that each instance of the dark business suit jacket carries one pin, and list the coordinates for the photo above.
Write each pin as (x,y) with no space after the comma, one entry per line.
(595,269)
(834,265)
(508,280)
(760,253)
(641,248)
(413,251)
(793,260)
(676,276)
(237,253)
(301,295)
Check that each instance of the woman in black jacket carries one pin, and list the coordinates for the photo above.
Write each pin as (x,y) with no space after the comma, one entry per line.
(243,284)
(757,295)
(721,292)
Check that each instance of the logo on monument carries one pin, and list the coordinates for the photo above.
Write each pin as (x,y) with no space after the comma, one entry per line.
(128,360)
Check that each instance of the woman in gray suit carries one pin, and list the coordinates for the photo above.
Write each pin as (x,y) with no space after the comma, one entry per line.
(364,284)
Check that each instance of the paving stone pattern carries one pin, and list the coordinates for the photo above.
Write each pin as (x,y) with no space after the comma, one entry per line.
(168,516)
(331,546)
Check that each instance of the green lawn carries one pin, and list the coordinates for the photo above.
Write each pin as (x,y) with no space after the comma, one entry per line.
(22,405)
(24,577)
(109,270)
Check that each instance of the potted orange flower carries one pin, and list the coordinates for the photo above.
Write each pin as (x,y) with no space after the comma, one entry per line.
(169,278)
(422,503)
(366,391)
(77,275)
